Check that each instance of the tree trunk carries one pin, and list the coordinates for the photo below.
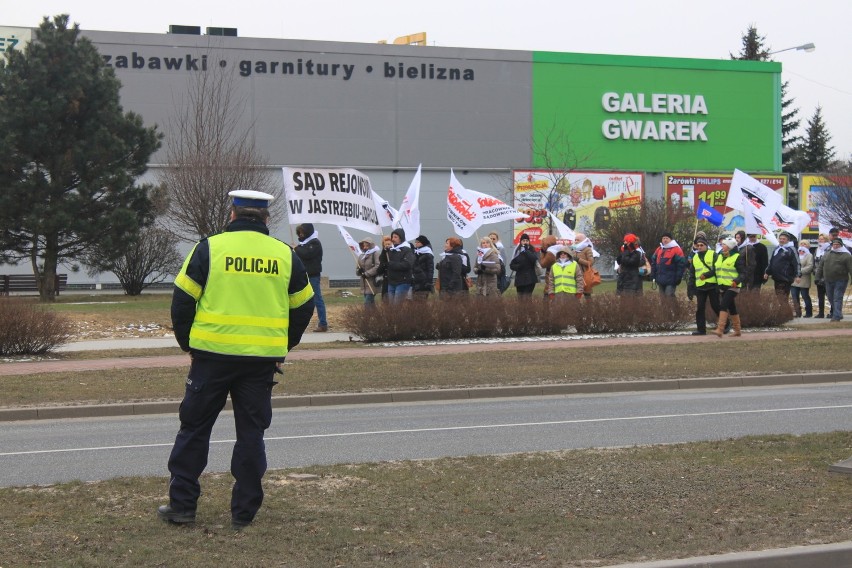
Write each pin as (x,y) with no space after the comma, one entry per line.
(47,278)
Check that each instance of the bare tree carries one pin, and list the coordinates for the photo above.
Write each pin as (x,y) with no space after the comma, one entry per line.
(556,155)
(835,198)
(153,257)
(149,258)
(647,222)
(210,151)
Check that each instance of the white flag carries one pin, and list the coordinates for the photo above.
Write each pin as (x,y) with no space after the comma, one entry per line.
(385,212)
(337,196)
(754,223)
(745,188)
(408,216)
(467,210)
(563,230)
(790,220)
(350,242)
(462,211)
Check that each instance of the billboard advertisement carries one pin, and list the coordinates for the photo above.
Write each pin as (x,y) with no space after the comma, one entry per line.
(686,189)
(658,114)
(584,201)
(810,186)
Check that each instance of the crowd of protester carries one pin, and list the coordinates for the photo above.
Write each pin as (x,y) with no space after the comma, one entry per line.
(714,275)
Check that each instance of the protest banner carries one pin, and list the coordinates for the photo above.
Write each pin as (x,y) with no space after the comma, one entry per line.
(339,196)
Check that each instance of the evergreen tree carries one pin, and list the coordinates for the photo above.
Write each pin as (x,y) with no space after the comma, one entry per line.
(790,141)
(754,48)
(69,155)
(815,154)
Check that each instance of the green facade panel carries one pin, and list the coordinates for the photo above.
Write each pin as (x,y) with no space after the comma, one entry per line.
(655,114)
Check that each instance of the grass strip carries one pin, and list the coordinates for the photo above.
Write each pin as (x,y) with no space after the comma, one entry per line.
(569,508)
(498,368)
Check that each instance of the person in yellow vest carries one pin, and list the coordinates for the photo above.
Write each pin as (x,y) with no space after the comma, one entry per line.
(731,276)
(567,275)
(702,280)
(241,301)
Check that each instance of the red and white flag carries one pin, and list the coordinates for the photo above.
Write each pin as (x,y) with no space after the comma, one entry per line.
(467,210)
(408,216)
(350,242)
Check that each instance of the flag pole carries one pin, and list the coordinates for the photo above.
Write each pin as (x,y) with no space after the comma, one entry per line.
(695,232)
(364,278)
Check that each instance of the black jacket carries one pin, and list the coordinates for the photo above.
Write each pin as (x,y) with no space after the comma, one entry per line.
(761,261)
(524,266)
(183,305)
(424,271)
(452,270)
(400,265)
(310,254)
(629,279)
(783,265)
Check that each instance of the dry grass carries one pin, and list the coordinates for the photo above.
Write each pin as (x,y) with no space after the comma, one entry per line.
(389,371)
(571,508)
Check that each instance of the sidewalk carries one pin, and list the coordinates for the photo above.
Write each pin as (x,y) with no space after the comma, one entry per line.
(169,341)
(304,353)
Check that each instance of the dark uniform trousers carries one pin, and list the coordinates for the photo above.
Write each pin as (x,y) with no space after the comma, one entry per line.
(702,295)
(207,387)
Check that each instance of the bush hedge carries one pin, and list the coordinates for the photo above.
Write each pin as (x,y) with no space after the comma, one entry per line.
(27,329)
(474,316)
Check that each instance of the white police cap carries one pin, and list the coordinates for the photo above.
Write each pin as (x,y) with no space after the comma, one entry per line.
(251,198)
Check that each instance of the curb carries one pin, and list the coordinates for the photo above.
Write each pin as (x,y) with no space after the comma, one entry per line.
(817,556)
(390,397)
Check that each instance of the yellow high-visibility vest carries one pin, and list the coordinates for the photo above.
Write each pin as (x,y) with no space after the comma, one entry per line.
(701,268)
(564,278)
(726,268)
(244,307)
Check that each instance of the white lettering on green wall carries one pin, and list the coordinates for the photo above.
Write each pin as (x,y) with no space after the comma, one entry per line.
(655,103)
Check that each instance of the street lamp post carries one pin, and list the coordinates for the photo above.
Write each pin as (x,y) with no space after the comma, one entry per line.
(808,47)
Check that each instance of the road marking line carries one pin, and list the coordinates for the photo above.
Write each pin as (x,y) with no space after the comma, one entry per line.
(448,429)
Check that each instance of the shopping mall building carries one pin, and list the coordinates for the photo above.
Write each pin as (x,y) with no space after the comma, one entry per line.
(632,127)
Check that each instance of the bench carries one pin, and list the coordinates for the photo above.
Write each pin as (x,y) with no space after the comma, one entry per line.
(27,283)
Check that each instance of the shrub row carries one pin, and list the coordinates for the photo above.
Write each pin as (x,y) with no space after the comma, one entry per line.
(28,329)
(474,316)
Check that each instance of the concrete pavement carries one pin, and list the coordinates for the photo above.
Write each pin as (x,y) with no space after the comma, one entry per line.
(169,341)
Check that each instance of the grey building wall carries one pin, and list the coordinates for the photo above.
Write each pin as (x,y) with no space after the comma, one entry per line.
(355,116)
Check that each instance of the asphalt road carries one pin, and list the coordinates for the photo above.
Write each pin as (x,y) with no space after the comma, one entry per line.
(49,451)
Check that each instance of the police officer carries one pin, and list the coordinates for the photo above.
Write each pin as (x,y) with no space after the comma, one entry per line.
(241,300)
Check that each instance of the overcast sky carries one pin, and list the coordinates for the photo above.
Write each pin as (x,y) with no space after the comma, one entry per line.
(669,28)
